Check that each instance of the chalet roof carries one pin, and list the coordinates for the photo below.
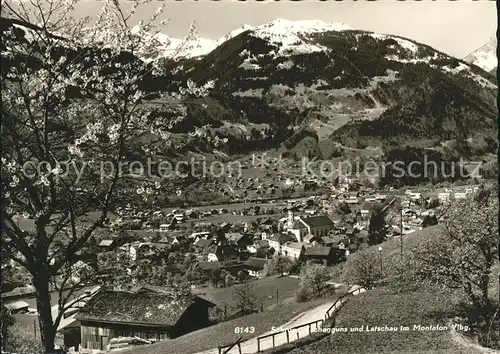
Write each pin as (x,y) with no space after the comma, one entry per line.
(143,308)
(234,236)
(267,221)
(106,243)
(26,290)
(309,237)
(205,265)
(263,243)
(318,251)
(282,238)
(318,221)
(148,288)
(160,245)
(294,226)
(295,245)
(204,243)
(350,231)
(256,262)
(225,250)
(16,305)
(335,239)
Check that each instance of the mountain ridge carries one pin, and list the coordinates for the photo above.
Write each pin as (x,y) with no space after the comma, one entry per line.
(485,56)
(275,80)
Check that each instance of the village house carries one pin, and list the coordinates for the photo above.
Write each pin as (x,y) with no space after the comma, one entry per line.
(277,240)
(293,250)
(69,326)
(312,239)
(136,250)
(444,197)
(196,236)
(147,315)
(17,307)
(207,267)
(106,245)
(203,245)
(225,254)
(365,213)
(255,266)
(238,239)
(258,245)
(324,255)
(381,197)
(339,241)
(352,201)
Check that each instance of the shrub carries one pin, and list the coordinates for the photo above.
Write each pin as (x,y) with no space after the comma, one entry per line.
(22,340)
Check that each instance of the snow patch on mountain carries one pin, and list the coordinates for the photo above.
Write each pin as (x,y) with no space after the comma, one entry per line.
(464,69)
(406,44)
(414,60)
(233,34)
(486,56)
(291,37)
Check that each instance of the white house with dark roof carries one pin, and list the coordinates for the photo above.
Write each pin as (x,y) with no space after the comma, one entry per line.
(277,240)
(293,249)
(255,266)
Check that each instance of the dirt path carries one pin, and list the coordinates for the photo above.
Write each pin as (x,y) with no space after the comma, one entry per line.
(250,346)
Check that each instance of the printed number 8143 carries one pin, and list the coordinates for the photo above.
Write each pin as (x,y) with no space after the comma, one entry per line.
(244,329)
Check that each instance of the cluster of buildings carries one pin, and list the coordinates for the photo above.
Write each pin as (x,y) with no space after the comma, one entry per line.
(311,230)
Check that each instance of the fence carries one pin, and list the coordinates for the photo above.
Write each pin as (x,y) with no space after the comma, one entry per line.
(227,348)
(287,333)
(342,300)
(317,324)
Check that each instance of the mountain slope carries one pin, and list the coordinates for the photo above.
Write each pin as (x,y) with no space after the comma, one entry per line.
(343,86)
(329,76)
(437,108)
(486,56)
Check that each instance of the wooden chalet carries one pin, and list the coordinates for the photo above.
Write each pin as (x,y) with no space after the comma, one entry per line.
(144,314)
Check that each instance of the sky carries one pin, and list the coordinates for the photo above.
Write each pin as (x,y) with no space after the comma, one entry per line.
(454,27)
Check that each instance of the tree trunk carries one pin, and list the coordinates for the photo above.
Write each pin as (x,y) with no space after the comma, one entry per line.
(47,330)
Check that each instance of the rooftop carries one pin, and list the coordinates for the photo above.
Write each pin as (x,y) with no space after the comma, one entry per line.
(318,251)
(282,238)
(319,221)
(256,262)
(139,308)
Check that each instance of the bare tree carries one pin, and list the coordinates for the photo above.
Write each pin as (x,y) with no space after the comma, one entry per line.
(245,298)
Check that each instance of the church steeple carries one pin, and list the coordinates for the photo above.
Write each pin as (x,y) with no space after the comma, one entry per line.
(291,217)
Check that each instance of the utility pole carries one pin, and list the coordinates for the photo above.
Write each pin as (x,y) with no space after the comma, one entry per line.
(401,229)
(277,297)
(381,266)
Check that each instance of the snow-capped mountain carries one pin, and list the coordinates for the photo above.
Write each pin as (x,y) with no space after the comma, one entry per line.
(234,33)
(291,35)
(486,56)
(163,46)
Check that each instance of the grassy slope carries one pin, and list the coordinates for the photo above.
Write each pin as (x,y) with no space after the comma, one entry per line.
(264,288)
(382,307)
(391,248)
(223,333)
